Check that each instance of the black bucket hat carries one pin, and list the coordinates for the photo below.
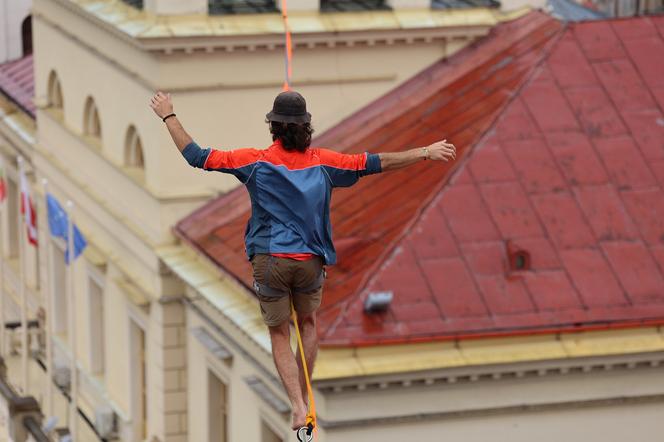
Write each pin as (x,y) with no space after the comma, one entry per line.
(289,107)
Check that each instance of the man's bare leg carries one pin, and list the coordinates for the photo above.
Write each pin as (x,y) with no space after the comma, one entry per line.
(310,343)
(284,359)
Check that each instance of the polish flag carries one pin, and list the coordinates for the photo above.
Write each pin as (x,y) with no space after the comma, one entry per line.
(28,209)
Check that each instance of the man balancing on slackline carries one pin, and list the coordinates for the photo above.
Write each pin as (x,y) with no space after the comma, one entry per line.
(289,236)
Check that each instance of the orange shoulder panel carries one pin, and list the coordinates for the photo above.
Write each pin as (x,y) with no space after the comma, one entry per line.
(342,160)
(231,159)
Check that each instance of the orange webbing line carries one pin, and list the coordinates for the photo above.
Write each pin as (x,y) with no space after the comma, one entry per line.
(311,415)
(289,46)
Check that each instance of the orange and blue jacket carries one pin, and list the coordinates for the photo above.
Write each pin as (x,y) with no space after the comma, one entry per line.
(290,193)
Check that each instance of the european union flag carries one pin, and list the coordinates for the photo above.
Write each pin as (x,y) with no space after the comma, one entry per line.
(58,224)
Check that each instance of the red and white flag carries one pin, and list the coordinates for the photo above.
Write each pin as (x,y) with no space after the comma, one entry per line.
(3,185)
(28,209)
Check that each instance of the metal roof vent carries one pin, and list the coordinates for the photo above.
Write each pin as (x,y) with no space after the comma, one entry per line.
(378,302)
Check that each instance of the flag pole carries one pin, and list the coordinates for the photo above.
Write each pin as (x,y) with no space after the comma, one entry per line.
(50,308)
(73,414)
(21,266)
(3,211)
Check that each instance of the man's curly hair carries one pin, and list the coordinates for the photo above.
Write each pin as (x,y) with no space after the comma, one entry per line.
(293,136)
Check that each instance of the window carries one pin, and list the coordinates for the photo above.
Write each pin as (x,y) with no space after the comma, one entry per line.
(241,6)
(352,5)
(59,281)
(268,434)
(26,35)
(54,91)
(138,4)
(91,124)
(460,4)
(217,409)
(139,381)
(96,316)
(134,158)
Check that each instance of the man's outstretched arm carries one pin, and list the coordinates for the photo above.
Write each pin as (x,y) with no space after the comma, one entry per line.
(440,151)
(162,105)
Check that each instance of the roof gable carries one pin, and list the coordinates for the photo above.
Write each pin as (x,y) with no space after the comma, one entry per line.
(548,122)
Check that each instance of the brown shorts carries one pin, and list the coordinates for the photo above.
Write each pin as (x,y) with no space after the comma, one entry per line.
(284,277)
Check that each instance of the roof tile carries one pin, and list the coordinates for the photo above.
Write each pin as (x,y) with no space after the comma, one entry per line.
(647,128)
(598,41)
(485,258)
(563,220)
(576,158)
(517,123)
(595,112)
(650,67)
(440,244)
(569,65)
(467,215)
(627,31)
(17,82)
(505,296)
(624,85)
(593,278)
(647,210)
(549,107)
(535,166)
(453,288)
(511,210)
(490,164)
(552,290)
(627,170)
(605,213)
(636,270)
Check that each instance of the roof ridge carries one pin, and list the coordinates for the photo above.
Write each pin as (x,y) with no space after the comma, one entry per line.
(380,262)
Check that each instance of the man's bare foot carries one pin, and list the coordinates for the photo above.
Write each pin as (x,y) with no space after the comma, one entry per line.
(299,419)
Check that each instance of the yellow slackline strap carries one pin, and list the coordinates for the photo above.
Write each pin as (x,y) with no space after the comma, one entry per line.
(311,415)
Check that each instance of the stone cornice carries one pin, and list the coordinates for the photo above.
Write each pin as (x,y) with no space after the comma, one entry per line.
(209,34)
(494,372)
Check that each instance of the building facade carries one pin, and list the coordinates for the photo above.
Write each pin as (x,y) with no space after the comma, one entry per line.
(86,135)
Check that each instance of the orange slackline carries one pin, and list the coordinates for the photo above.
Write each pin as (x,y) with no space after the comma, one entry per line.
(289,46)
(311,415)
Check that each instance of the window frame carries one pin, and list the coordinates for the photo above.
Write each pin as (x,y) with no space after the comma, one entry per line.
(97,357)
(55,98)
(91,120)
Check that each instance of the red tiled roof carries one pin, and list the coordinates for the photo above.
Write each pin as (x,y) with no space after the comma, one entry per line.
(18,83)
(560,133)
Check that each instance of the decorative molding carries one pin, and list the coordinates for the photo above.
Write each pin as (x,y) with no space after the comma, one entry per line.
(492,411)
(496,372)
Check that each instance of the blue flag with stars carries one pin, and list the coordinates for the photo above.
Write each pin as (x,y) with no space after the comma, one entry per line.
(58,224)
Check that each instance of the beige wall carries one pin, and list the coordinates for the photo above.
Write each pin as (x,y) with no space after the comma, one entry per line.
(614,423)
(245,408)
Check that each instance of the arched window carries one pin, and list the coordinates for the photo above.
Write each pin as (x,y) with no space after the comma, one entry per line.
(134,158)
(54,91)
(26,35)
(91,124)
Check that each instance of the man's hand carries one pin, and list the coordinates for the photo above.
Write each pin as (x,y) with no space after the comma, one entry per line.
(161,104)
(441,151)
